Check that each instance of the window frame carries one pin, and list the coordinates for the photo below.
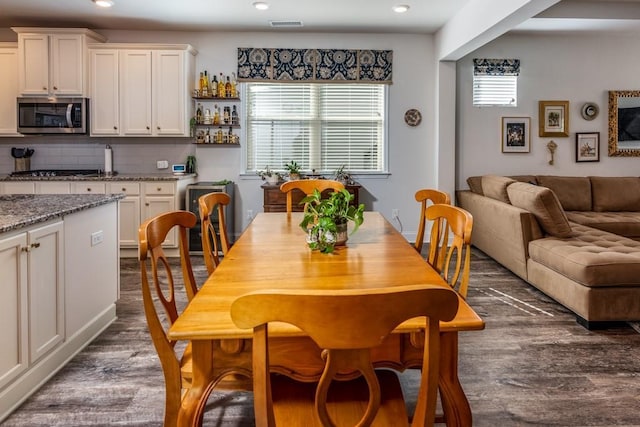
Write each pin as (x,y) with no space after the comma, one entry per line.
(494,77)
(384,151)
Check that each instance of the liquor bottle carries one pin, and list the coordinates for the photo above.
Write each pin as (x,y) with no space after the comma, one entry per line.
(227,88)
(205,85)
(201,83)
(207,137)
(230,136)
(216,115)
(226,115)
(221,88)
(219,136)
(234,116)
(234,86)
(214,86)
(199,114)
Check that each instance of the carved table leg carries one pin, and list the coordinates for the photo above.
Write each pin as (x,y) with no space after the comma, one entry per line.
(455,405)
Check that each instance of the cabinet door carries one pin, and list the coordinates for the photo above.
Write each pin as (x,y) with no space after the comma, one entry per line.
(105,102)
(8,91)
(46,289)
(66,62)
(88,187)
(135,92)
(169,97)
(19,187)
(13,308)
(33,64)
(52,187)
(155,205)
(129,221)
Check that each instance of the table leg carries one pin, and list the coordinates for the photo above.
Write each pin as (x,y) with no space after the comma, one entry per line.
(455,405)
(195,399)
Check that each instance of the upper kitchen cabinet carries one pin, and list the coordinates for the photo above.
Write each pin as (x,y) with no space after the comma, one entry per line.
(53,61)
(8,88)
(141,90)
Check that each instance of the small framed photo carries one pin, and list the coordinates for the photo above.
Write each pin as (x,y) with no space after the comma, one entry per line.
(588,147)
(515,134)
(554,118)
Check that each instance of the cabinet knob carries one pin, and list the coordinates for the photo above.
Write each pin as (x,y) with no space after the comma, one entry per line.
(115,128)
(35,245)
(44,88)
(124,190)
(146,204)
(148,128)
(88,189)
(55,88)
(158,127)
(159,189)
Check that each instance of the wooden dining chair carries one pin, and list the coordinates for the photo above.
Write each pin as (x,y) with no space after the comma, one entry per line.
(346,325)
(307,186)
(176,365)
(211,244)
(425,196)
(451,259)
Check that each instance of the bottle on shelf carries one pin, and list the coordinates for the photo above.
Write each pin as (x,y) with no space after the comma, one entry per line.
(205,85)
(207,137)
(199,114)
(230,136)
(214,86)
(219,136)
(201,83)
(226,115)
(234,86)
(216,115)
(227,88)
(221,87)
(207,117)
(234,116)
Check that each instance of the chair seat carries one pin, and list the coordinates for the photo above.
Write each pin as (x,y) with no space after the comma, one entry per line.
(293,401)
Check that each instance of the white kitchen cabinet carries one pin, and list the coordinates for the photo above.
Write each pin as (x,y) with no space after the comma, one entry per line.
(8,89)
(19,187)
(160,197)
(53,61)
(32,303)
(129,211)
(53,187)
(13,308)
(88,187)
(141,90)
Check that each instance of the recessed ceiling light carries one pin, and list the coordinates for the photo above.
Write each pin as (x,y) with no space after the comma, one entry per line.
(401,8)
(103,3)
(260,5)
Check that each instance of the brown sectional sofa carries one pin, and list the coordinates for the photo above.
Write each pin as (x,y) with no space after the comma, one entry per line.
(577,239)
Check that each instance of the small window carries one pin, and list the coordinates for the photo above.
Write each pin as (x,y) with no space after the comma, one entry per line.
(495,82)
(495,91)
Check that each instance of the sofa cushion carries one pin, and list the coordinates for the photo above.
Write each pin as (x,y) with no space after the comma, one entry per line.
(495,186)
(611,194)
(531,179)
(625,224)
(592,257)
(543,204)
(574,192)
(475,184)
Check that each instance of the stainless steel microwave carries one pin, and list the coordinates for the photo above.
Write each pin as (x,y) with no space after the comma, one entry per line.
(53,115)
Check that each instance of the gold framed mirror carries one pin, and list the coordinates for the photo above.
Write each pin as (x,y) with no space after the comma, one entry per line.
(624,123)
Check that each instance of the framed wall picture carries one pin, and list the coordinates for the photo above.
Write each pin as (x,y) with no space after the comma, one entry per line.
(553,118)
(515,134)
(588,147)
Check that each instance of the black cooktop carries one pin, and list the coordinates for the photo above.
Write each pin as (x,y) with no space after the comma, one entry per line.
(60,172)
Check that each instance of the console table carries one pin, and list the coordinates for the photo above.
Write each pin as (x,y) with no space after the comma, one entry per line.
(276,201)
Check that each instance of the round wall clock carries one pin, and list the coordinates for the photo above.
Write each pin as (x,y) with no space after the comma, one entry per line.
(412,117)
(589,111)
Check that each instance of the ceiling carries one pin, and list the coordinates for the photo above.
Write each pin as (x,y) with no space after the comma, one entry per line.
(424,16)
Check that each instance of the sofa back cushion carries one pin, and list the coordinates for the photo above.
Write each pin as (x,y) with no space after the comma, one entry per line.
(495,186)
(574,192)
(475,184)
(543,204)
(614,194)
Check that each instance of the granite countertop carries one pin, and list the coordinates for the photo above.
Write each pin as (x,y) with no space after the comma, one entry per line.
(21,210)
(118,177)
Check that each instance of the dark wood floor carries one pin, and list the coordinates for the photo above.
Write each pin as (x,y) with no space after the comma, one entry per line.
(533,365)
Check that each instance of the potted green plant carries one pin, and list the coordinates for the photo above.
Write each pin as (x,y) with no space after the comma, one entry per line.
(341,175)
(272,177)
(325,220)
(294,170)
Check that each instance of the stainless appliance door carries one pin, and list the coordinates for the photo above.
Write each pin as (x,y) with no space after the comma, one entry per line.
(44,116)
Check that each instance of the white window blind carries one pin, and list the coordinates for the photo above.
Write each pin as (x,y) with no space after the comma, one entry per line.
(320,126)
(495,90)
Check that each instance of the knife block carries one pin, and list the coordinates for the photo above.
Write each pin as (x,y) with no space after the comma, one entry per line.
(22,164)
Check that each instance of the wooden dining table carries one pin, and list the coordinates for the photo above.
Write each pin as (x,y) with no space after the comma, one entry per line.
(272,254)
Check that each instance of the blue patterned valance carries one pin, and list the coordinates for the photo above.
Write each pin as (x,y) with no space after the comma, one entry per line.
(496,67)
(314,65)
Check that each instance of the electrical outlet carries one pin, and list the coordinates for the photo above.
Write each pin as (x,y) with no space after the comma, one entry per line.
(249,214)
(162,164)
(97,238)
(394,213)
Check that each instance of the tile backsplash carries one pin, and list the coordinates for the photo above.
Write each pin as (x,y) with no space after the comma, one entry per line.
(130,155)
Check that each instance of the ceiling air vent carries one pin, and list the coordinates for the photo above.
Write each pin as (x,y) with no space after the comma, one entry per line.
(285,24)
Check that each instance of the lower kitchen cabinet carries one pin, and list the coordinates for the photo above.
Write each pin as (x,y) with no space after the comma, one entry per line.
(32,304)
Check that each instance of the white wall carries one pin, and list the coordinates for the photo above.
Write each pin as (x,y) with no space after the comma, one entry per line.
(412,159)
(577,68)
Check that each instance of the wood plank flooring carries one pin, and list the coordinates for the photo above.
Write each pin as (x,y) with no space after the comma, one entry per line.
(532,366)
